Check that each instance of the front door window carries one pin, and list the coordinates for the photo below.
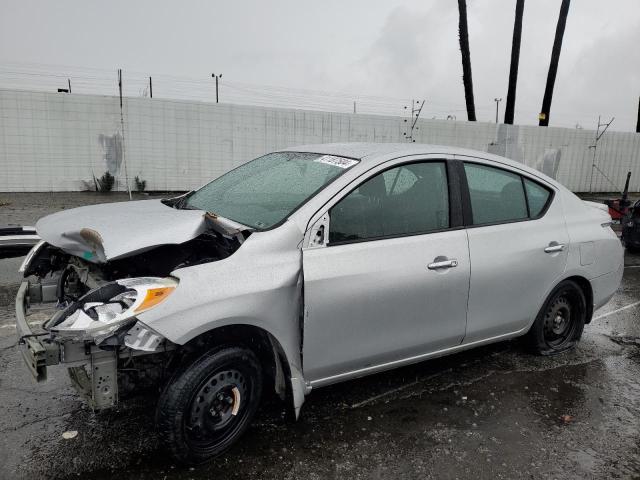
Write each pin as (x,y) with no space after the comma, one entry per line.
(406,200)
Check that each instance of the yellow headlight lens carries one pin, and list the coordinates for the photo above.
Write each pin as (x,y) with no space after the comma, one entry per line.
(153,297)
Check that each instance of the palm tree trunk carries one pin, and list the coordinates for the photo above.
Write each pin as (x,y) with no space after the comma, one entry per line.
(515,60)
(463,31)
(553,66)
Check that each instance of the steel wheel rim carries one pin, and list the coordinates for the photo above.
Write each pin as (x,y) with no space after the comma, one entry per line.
(559,322)
(217,409)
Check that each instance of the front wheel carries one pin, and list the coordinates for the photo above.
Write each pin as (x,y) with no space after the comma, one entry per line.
(205,408)
(559,324)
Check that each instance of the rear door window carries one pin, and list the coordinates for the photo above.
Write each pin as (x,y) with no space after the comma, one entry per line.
(497,196)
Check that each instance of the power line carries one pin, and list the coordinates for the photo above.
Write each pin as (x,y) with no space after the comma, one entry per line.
(99,81)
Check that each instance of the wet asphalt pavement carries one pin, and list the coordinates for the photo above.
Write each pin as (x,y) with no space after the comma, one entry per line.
(492,412)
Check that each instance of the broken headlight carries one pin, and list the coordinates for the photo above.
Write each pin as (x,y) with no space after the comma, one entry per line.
(102,311)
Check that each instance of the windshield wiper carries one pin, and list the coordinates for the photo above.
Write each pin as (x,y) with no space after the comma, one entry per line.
(179,203)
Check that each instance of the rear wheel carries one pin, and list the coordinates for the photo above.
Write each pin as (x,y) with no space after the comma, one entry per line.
(204,409)
(559,324)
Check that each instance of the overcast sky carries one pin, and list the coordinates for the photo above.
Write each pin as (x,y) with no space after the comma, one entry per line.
(399,49)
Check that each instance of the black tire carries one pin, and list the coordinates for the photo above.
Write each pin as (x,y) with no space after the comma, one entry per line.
(208,405)
(559,324)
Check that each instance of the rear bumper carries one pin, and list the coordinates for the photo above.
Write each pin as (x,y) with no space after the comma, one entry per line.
(605,286)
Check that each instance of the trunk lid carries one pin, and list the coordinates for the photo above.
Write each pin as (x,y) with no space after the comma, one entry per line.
(598,206)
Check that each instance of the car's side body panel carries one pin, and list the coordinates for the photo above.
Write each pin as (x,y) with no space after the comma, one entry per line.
(260,285)
(372,369)
(595,252)
(374,302)
(510,269)
(595,249)
(510,274)
(536,272)
(605,286)
(396,306)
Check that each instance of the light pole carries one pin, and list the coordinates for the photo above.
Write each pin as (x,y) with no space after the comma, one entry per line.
(213,75)
(497,100)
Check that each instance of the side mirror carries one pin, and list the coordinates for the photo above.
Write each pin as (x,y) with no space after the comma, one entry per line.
(319,232)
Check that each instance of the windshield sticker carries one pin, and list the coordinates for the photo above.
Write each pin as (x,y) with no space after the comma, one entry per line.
(340,162)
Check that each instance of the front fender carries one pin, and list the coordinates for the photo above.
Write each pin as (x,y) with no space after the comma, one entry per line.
(259,285)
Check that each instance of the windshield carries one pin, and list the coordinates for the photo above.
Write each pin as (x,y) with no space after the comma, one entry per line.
(263,192)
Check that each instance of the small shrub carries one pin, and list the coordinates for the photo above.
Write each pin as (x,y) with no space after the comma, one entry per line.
(105,183)
(140,184)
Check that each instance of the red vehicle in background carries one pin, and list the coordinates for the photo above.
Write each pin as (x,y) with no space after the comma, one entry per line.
(619,207)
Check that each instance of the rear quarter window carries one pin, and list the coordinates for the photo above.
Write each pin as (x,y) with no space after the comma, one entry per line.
(538,197)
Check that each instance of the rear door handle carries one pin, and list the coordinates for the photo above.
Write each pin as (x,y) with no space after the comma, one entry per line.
(443,264)
(554,247)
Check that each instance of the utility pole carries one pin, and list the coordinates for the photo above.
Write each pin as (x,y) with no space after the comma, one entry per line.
(497,100)
(124,161)
(595,148)
(69,82)
(467,80)
(515,60)
(354,106)
(415,114)
(638,124)
(216,77)
(150,88)
(543,117)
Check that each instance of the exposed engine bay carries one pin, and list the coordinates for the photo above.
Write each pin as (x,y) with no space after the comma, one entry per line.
(74,276)
(94,302)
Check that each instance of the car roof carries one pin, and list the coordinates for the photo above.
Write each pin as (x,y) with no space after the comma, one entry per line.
(363,150)
(373,152)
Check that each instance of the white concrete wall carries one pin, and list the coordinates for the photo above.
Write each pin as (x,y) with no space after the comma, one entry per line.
(57,142)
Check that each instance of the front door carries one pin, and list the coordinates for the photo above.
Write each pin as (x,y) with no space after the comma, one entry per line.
(392,281)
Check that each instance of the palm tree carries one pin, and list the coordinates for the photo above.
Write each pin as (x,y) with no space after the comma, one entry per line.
(553,66)
(463,31)
(515,60)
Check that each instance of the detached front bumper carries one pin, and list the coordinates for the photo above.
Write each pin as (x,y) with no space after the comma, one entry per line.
(93,371)
(37,354)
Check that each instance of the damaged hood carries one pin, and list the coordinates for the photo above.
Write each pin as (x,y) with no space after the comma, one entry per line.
(99,233)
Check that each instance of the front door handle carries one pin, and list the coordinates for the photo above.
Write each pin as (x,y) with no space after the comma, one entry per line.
(442,264)
(554,247)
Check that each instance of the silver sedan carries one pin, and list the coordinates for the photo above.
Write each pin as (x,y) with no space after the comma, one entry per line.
(306,267)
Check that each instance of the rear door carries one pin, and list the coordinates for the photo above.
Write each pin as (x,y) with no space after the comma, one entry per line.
(518,244)
(391,281)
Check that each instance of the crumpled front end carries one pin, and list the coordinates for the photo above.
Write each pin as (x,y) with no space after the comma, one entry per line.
(85,287)
(97,337)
